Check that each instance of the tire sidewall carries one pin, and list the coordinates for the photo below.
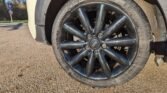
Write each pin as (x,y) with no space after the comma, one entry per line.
(142,28)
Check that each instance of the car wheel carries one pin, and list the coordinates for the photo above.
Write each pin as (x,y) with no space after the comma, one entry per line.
(101,43)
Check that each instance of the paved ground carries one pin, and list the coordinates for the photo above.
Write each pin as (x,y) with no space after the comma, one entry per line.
(30,67)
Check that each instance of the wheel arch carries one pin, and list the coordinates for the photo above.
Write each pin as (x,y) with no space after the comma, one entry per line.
(45,16)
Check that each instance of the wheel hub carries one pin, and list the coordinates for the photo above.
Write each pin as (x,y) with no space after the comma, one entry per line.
(94,43)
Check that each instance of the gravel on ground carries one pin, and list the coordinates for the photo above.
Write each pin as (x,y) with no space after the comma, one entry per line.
(27,66)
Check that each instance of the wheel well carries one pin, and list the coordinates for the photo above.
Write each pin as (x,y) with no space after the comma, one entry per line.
(156,18)
(51,14)
(157,3)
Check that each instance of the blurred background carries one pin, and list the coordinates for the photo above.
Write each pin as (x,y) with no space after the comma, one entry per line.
(13,11)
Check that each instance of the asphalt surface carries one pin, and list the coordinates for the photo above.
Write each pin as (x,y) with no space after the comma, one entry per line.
(27,66)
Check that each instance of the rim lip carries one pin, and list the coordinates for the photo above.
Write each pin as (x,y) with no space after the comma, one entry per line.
(111,5)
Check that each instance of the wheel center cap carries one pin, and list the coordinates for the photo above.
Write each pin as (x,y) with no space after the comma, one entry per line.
(94,43)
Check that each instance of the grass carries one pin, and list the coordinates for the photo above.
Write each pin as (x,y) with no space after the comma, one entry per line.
(15,21)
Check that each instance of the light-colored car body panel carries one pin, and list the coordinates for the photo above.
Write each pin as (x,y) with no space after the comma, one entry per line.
(31,5)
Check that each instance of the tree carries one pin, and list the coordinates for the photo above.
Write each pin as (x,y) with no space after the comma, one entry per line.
(20,11)
(1,1)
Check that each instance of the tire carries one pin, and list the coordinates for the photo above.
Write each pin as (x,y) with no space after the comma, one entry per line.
(104,74)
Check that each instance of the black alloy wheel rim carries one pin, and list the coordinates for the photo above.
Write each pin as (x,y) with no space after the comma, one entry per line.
(98,40)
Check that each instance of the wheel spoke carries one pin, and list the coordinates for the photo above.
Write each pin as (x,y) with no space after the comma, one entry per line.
(84,20)
(78,57)
(104,64)
(90,64)
(117,57)
(97,32)
(114,27)
(74,31)
(124,41)
(100,18)
(72,45)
